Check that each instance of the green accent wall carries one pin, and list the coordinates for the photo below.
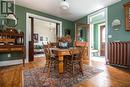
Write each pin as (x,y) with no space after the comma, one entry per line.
(82,20)
(114,11)
(0,16)
(82,34)
(117,11)
(21,15)
(98,19)
(95,32)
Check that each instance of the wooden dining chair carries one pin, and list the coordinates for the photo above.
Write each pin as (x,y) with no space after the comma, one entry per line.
(75,59)
(53,44)
(51,61)
(48,59)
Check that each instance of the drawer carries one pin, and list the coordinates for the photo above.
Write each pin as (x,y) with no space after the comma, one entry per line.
(16,49)
(4,49)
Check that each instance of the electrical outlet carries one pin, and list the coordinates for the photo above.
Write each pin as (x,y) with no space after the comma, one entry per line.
(9,55)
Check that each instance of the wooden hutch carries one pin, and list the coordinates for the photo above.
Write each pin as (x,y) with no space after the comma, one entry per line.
(12,41)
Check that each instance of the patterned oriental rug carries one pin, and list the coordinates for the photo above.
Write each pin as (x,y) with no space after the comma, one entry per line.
(38,77)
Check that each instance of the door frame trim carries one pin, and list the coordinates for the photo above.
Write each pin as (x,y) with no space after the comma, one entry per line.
(106,32)
(99,35)
(27,29)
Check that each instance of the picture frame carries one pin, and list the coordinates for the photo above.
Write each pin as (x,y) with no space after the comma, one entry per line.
(35,38)
(41,38)
(67,32)
(7,7)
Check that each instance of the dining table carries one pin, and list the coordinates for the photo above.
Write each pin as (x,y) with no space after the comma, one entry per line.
(60,53)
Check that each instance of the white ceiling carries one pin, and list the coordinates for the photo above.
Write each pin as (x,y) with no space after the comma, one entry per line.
(78,8)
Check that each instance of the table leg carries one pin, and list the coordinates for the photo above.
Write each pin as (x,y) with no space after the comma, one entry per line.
(23,62)
(61,64)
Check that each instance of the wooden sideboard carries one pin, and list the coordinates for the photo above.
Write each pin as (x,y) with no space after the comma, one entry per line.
(11,41)
(14,48)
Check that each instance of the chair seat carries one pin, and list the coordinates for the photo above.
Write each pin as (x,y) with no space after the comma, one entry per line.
(74,60)
(51,60)
(75,57)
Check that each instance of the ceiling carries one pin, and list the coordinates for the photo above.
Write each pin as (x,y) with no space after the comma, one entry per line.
(78,8)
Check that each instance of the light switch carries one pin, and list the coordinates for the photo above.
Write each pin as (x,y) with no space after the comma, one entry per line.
(109,36)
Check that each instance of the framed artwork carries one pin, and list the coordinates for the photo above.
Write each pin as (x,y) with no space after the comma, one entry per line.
(7,7)
(35,38)
(67,32)
(41,38)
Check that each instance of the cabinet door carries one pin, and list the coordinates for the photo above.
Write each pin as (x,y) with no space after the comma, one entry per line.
(127,16)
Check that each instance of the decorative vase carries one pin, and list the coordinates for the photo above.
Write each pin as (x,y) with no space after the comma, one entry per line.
(63,44)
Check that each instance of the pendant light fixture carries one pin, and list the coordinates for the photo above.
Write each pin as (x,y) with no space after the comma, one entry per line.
(64,5)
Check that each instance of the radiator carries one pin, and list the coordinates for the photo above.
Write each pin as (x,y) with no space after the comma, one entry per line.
(119,53)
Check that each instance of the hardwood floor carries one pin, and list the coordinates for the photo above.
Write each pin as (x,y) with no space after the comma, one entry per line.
(111,77)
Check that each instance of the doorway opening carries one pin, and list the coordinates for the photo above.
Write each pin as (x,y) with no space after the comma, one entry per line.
(40,30)
(98,36)
(43,32)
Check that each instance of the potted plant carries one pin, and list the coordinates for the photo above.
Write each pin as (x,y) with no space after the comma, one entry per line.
(64,42)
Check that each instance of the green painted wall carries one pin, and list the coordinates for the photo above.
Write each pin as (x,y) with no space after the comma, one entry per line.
(96,35)
(83,32)
(21,15)
(0,16)
(82,20)
(117,11)
(98,19)
(114,11)
(95,32)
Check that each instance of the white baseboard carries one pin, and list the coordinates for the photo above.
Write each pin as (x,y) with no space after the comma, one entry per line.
(12,62)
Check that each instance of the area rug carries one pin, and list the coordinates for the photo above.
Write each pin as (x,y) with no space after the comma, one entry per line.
(38,77)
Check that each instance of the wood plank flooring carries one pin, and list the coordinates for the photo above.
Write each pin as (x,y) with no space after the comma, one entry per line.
(11,76)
